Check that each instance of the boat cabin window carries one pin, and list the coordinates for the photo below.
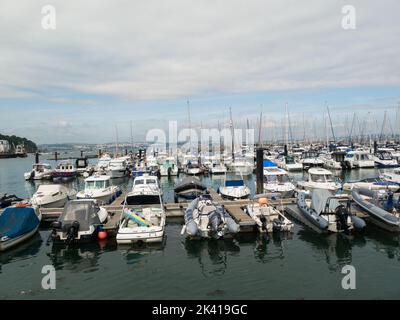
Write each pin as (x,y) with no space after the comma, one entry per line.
(151,181)
(283,178)
(321,177)
(96,184)
(139,181)
(384,156)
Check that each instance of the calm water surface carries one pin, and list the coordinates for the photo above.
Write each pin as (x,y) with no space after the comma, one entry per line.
(303,265)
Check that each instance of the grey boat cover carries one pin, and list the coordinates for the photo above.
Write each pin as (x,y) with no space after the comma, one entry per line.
(319,198)
(83,211)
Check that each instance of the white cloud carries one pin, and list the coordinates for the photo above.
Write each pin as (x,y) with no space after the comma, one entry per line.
(178,48)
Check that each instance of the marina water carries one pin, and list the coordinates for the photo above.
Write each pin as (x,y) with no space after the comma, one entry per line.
(303,265)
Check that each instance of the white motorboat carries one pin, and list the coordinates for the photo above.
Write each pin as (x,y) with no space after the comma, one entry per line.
(277,180)
(310,159)
(319,178)
(335,160)
(359,159)
(242,167)
(103,162)
(40,171)
(52,196)
(218,168)
(371,184)
(145,190)
(384,159)
(234,189)
(142,225)
(99,187)
(117,168)
(17,224)
(81,220)
(169,167)
(268,218)
(290,164)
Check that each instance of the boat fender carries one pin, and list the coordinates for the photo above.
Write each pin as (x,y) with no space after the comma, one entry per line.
(358,223)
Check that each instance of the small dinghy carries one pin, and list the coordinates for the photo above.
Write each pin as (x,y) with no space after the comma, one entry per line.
(268,218)
(189,188)
(7,200)
(142,225)
(18,224)
(234,189)
(380,208)
(205,219)
(81,220)
(326,212)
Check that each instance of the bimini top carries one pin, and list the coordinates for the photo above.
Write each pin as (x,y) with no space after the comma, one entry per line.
(16,221)
(234,183)
(268,163)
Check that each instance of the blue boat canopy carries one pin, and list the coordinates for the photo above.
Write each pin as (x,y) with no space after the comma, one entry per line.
(234,183)
(269,163)
(16,221)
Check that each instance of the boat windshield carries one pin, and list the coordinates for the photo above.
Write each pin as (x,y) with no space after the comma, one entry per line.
(349,155)
(90,185)
(282,178)
(385,156)
(364,157)
(321,177)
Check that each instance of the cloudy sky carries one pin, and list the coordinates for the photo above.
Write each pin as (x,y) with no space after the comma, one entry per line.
(110,62)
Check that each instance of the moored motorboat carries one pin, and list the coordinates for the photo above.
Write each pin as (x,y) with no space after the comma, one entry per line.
(17,224)
(327,214)
(99,187)
(189,188)
(382,212)
(81,220)
(234,189)
(268,218)
(40,171)
(319,178)
(52,196)
(277,180)
(65,170)
(145,190)
(205,219)
(146,224)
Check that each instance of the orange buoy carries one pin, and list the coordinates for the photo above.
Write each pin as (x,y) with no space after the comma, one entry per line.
(102,234)
(262,201)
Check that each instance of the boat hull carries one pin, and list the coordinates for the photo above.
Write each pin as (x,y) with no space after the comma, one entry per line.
(12,242)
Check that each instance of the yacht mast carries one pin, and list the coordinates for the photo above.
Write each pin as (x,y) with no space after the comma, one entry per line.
(190,128)
(233,134)
(131,136)
(116,145)
(330,120)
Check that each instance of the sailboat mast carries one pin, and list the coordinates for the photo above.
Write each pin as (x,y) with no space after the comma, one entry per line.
(190,127)
(116,136)
(131,136)
(233,134)
(330,120)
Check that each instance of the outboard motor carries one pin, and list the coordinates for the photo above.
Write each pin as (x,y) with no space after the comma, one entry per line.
(341,217)
(55,225)
(71,230)
(214,222)
(277,225)
(32,176)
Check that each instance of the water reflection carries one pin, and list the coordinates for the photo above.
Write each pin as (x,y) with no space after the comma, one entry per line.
(135,253)
(212,255)
(266,247)
(25,250)
(385,242)
(335,248)
(79,257)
